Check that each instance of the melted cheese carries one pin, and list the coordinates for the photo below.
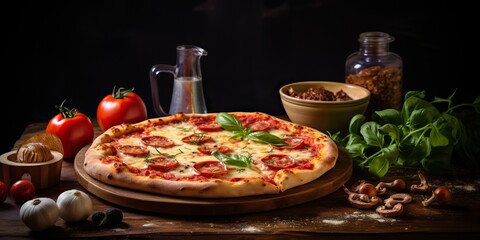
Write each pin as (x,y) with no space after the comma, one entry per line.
(187,154)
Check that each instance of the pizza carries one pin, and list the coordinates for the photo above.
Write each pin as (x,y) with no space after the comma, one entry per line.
(212,155)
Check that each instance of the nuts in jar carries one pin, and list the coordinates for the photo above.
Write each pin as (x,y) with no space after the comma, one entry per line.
(384,84)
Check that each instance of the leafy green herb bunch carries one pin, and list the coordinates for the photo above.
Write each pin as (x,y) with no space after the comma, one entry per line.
(420,135)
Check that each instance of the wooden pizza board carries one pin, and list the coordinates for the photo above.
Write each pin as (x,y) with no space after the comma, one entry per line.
(326,184)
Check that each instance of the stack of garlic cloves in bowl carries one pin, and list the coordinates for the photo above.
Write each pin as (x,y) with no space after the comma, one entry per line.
(38,159)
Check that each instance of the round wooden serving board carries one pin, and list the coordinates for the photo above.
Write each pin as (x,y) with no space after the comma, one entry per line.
(326,184)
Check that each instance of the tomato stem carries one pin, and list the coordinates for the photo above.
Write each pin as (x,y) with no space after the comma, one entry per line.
(66,112)
(121,92)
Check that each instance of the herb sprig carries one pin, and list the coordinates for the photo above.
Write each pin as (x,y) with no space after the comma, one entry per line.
(231,123)
(418,135)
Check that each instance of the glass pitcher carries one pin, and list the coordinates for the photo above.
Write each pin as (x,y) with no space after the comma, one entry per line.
(187,95)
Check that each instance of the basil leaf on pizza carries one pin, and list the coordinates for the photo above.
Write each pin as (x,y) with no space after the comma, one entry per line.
(231,123)
(266,137)
(239,160)
(213,155)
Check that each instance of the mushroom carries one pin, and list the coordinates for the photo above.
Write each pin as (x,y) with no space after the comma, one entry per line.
(397,185)
(422,187)
(362,201)
(441,195)
(396,210)
(365,188)
(402,198)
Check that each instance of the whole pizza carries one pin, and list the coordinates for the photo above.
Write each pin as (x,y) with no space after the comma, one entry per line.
(213,155)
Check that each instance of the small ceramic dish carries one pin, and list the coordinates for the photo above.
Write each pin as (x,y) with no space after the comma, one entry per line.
(331,116)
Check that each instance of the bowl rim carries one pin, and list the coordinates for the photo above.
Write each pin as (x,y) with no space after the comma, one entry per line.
(57,156)
(362,100)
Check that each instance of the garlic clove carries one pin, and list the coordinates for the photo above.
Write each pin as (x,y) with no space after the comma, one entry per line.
(34,153)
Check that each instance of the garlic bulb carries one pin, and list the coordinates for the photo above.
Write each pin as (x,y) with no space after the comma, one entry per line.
(39,213)
(34,153)
(74,205)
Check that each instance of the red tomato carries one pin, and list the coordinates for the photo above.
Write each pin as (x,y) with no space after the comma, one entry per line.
(3,191)
(74,129)
(22,191)
(122,106)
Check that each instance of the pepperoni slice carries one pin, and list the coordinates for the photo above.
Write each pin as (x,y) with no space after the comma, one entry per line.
(209,149)
(162,163)
(197,139)
(293,143)
(133,150)
(158,141)
(260,125)
(109,149)
(210,168)
(210,127)
(278,161)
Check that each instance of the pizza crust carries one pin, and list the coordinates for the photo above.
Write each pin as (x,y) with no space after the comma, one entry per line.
(283,180)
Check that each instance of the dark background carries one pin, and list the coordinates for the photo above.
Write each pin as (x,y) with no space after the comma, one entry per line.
(79,50)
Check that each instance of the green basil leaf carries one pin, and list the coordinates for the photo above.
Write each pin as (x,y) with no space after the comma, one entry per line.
(266,137)
(242,134)
(436,137)
(228,122)
(379,166)
(388,115)
(418,94)
(356,150)
(391,153)
(414,151)
(355,123)
(417,112)
(234,160)
(354,139)
(392,131)
(372,135)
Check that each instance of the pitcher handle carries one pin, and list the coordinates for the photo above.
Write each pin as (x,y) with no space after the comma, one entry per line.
(154,71)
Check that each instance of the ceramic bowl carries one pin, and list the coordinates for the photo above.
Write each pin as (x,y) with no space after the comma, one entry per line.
(331,116)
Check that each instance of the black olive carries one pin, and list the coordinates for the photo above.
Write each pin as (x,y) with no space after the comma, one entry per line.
(97,218)
(113,216)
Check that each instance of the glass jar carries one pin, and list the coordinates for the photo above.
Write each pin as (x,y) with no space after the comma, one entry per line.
(377,69)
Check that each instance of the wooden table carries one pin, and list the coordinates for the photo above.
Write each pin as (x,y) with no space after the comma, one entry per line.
(328,217)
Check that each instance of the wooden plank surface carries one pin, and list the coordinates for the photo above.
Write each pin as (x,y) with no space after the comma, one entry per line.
(327,217)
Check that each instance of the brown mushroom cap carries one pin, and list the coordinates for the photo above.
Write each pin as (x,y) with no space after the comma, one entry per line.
(396,210)
(422,187)
(402,198)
